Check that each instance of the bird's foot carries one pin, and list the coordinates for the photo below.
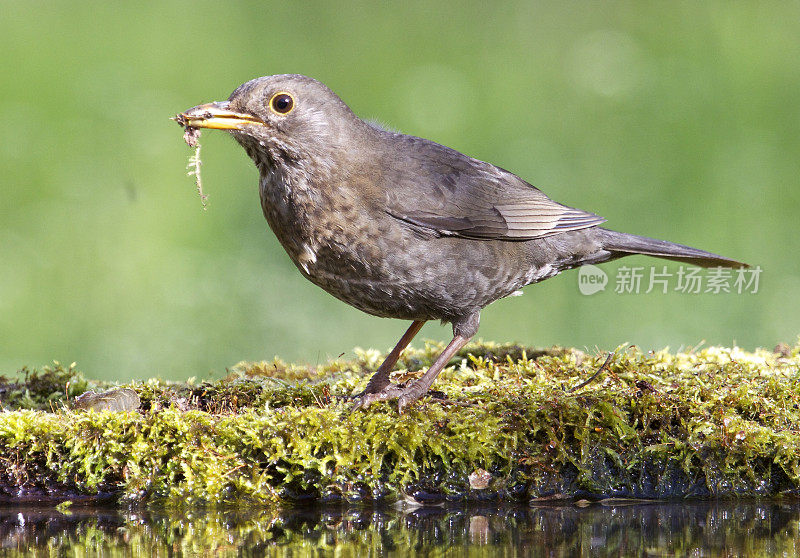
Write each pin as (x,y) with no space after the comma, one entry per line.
(367,398)
(404,393)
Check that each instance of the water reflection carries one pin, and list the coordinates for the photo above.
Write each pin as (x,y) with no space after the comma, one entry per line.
(696,529)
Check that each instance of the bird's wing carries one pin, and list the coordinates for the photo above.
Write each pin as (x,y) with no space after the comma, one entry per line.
(472,199)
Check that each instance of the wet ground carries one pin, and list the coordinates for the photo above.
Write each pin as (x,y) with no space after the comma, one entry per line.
(610,529)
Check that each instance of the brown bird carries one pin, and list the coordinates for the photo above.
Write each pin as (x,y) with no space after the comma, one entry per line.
(402,227)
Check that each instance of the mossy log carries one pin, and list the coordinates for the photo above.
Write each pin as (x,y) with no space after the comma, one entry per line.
(506,424)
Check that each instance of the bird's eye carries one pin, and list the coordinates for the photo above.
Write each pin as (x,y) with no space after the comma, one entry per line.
(282,103)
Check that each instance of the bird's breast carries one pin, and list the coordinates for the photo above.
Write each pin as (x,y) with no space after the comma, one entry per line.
(321,226)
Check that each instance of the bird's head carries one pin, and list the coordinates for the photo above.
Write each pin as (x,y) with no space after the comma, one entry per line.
(280,119)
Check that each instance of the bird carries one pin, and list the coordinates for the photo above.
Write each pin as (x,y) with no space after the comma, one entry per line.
(402,227)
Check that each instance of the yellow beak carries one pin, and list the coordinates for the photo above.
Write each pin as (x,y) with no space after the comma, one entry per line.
(215,116)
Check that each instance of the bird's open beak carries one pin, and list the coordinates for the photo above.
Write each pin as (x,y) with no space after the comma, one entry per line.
(215,116)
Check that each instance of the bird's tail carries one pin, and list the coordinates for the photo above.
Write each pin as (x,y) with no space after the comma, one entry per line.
(623,244)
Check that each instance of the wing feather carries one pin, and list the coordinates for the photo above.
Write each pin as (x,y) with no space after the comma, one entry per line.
(456,195)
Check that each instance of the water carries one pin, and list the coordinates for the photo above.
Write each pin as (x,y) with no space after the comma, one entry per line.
(613,529)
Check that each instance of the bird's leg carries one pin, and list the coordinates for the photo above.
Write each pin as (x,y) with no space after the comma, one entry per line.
(411,393)
(463,331)
(380,379)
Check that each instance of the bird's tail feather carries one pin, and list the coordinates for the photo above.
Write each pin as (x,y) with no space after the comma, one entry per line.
(623,244)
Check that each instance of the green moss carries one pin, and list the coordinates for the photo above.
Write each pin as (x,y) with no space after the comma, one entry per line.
(44,389)
(712,423)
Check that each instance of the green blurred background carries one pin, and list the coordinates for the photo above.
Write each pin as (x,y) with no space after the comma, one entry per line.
(673,120)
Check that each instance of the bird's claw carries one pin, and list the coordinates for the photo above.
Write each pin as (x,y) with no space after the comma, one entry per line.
(405,395)
(404,400)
